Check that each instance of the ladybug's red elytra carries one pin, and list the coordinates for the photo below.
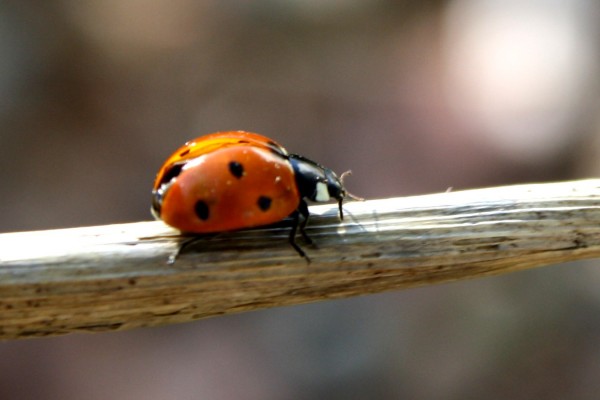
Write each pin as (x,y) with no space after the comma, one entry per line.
(233,180)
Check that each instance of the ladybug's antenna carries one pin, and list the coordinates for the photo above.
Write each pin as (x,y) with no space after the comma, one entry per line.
(352,196)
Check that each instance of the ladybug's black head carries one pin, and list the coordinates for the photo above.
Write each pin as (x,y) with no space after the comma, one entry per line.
(317,183)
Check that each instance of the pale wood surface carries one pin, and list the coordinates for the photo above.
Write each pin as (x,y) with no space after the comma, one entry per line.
(116,277)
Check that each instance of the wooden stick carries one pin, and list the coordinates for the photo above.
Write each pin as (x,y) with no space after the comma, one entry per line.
(116,277)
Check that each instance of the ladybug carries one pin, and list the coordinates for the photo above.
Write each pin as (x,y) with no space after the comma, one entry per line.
(233,180)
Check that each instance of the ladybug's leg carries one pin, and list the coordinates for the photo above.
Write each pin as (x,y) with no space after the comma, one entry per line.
(295,224)
(341,210)
(182,246)
(303,210)
(187,242)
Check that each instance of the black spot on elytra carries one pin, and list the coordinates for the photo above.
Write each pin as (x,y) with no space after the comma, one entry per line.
(264,203)
(184,153)
(201,209)
(236,169)
(171,173)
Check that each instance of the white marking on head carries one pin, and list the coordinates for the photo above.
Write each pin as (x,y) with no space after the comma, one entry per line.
(322,192)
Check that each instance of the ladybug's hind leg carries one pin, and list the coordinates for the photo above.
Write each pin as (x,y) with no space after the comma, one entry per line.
(182,246)
(186,243)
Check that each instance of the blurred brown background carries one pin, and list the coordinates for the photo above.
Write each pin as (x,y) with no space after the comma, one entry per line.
(414,97)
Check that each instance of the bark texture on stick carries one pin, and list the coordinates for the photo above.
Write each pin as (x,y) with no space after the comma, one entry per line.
(116,277)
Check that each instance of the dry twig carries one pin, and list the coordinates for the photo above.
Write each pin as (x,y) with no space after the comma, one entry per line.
(116,277)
